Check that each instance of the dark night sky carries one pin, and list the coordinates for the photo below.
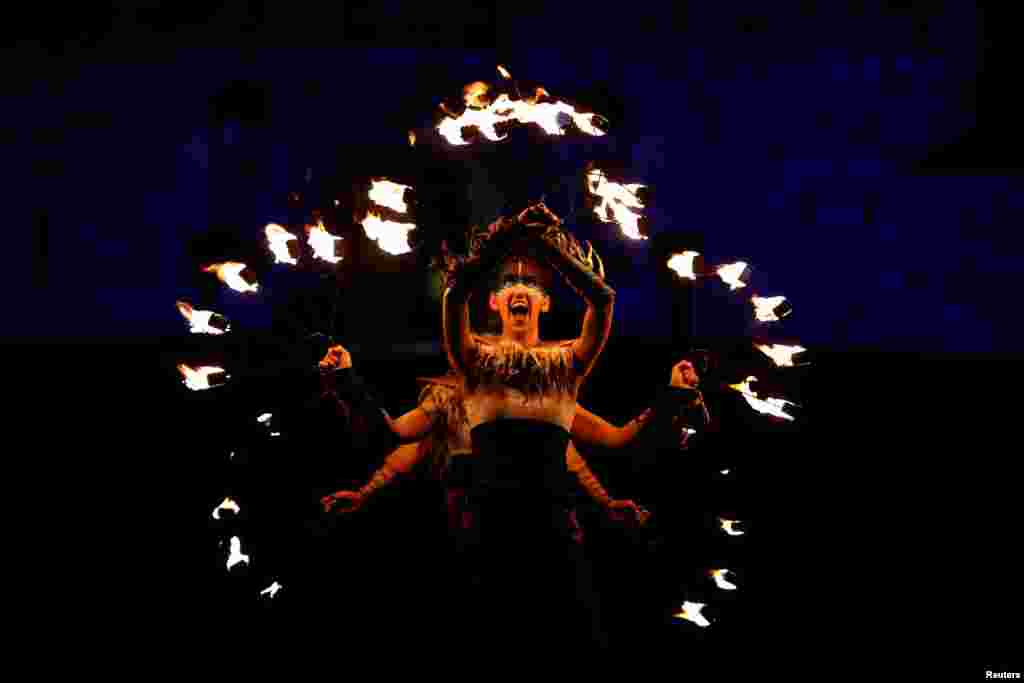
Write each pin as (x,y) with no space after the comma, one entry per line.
(844,153)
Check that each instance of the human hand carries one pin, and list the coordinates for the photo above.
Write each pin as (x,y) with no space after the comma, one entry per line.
(627,511)
(347,502)
(337,358)
(684,375)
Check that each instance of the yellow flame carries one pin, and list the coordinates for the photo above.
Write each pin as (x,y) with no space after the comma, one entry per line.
(230,274)
(504,72)
(412,138)
(619,199)
(691,611)
(322,243)
(198,379)
(730,274)
(781,354)
(271,590)
(544,114)
(199,321)
(389,194)
(766,406)
(727,526)
(236,555)
(684,263)
(719,576)
(390,236)
(228,504)
(764,307)
(477,94)
(277,239)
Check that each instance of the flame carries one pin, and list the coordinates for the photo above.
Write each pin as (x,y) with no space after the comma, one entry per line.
(781,354)
(683,264)
(767,406)
(619,200)
(198,379)
(691,611)
(236,555)
(264,418)
(719,576)
(502,109)
(228,504)
(278,238)
(390,236)
(725,471)
(275,433)
(271,590)
(231,456)
(389,194)
(199,321)
(230,274)
(476,94)
(764,307)
(412,138)
(731,273)
(504,72)
(323,243)
(727,526)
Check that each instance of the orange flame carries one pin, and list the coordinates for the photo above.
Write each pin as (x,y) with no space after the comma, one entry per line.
(781,354)
(683,264)
(228,504)
(504,72)
(719,577)
(390,236)
(691,611)
(198,379)
(199,321)
(730,274)
(477,94)
(412,138)
(766,406)
(323,243)
(278,238)
(764,307)
(727,525)
(236,555)
(503,108)
(271,590)
(617,199)
(389,194)
(230,274)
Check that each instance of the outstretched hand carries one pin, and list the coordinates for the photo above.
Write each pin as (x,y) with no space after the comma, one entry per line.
(346,502)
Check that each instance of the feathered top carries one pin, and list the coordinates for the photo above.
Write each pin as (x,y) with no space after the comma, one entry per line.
(535,372)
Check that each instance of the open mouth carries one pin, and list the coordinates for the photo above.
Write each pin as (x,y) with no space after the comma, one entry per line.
(519,309)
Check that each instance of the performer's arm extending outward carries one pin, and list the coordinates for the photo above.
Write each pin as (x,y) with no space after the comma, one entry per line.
(594,429)
(600,298)
(590,483)
(401,461)
(410,427)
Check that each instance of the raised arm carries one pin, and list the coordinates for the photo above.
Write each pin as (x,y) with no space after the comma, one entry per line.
(560,253)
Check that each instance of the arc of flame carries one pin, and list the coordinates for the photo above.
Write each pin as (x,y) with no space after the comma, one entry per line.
(198,379)
(767,406)
(764,307)
(691,611)
(727,525)
(323,243)
(236,555)
(618,198)
(229,273)
(277,240)
(199,321)
(683,264)
(719,577)
(504,72)
(271,590)
(503,108)
(228,504)
(730,274)
(390,236)
(780,354)
(389,194)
